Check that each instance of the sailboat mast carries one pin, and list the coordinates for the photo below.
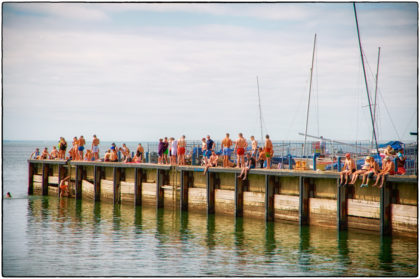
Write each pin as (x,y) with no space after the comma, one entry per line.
(259,105)
(366,83)
(309,98)
(376,88)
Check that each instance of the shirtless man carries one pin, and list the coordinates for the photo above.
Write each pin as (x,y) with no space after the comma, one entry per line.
(254,146)
(125,151)
(226,144)
(181,150)
(269,151)
(212,162)
(107,156)
(250,164)
(35,154)
(45,155)
(64,187)
(174,150)
(114,156)
(388,167)
(240,146)
(95,147)
(363,170)
(373,170)
(54,153)
(74,151)
(81,146)
(348,169)
(139,153)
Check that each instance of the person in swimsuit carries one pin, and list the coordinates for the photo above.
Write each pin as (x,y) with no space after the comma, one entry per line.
(388,167)
(64,187)
(88,155)
(45,155)
(348,169)
(373,170)
(139,153)
(363,170)
(54,153)
(212,162)
(204,151)
(95,147)
(261,157)
(250,164)
(114,156)
(254,147)
(240,146)
(35,155)
(226,144)
(268,149)
(181,150)
(174,150)
(160,151)
(75,150)
(209,146)
(62,147)
(165,151)
(81,146)
(125,151)
(401,163)
(107,155)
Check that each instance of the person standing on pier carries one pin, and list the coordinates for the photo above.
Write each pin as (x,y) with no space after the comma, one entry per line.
(209,147)
(95,148)
(139,153)
(62,147)
(349,168)
(181,150)
(226,144)
(254,145)
(240,147)
(269,151)
(165,151)
(160,151)
(81,146)
(74,150)
(174,150)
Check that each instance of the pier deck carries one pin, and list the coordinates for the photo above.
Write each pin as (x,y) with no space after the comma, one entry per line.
(305,197)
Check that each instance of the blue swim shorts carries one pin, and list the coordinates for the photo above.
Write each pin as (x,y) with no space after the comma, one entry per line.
(227,151)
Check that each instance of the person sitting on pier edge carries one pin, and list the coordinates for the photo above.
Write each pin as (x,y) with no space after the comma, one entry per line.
(124,151)
(160,151)
(139,153)
(240,147)
(373,170)
(114,156)
(88,155)
(35,155)
(128,158)
(54,153)
(95,147)
(45,155)
(107,155)
(136,158)
(348,169)
(250,164)
(269,151)
(181,150)
(64,187)
(400,162)
(363,170)
(226,144)
(261,157)
(212,162)
(388,167)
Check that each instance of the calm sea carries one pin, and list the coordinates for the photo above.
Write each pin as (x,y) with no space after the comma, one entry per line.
(45,236)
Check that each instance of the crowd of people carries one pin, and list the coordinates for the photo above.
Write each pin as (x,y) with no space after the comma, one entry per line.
(349,174)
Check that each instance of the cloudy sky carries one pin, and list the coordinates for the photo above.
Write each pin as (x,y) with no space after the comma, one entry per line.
(141,71)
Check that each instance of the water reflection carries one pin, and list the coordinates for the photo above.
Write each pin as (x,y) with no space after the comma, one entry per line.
(164,242)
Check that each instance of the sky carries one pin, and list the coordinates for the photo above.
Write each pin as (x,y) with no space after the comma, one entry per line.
(142,71)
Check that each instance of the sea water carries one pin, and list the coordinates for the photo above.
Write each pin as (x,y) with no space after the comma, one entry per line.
(46,236)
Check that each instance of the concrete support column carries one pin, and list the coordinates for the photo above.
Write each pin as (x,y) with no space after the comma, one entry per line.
(239,197)
(210,181)
(185,184)
(342,196)
(117,185)
(385,208)
(45,174)
(303,201)
(78,182)
(138,186)
(31,172)
(269,198)
(160,176)
(97,176)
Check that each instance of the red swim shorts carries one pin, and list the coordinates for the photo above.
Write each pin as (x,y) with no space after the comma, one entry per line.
(64,186)
(181,150)
(240,151)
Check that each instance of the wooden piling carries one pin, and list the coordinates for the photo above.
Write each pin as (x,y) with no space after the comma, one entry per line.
(97,176)
(239,196)
(269,198)
(45,174)
(342,196)
(185,184)
(303,201)
(385,208)
(138,186)
(61,176)
(210,181)
(31,172)
(159,190)
(78,182)
(117,185)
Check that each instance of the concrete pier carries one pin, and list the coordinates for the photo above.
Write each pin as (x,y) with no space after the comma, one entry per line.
(304,197)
